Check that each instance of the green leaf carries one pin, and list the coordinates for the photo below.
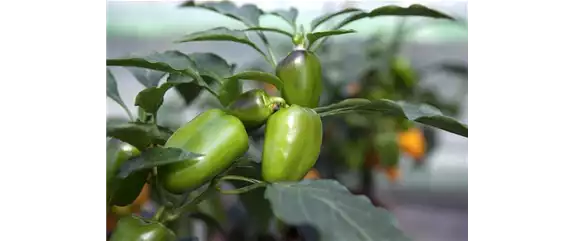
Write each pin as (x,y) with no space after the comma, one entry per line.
(267,29)
(153,157)
(151,99)
(221,34)
(414,10)
(188,91)
(147,77)
(113,93)
(170,61)
(214,66)
(326,17)
(423,113)
(248,14)
(290,16)
(259,76)
(335,212)
(312,37)
(138,134)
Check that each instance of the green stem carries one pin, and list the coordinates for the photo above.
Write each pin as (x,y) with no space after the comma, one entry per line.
(157,188)
(255,184)
(276,100)
(189,206)
(158,214)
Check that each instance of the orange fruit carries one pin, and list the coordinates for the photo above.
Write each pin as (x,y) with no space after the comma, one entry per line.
(412,142)
(111,221)
(143,197)
(312,174)
(393,173)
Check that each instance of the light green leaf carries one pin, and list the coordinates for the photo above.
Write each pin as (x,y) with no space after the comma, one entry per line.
(312,37)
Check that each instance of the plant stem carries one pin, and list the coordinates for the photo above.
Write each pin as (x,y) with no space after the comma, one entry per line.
(158,213)
(191,204)
(157,188)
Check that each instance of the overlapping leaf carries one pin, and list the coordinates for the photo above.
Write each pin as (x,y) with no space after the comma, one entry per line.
(312,37)
(414,10)
(113,93)
(258,76)
(137,134)
(423,113)
(247,13)
(221,34)
(336,213)
(153,157)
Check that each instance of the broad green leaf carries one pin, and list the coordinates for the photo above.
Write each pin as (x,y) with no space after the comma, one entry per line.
(147,77)
(211,62)
(259,76)
(312,37)
(335,212)
(290,16)
(414,10)
(113,93)
(138,134)
(248,14)
(150,99)
(254,202)
(326,17)
(170,61)
(423,113)
(221,34)
(156,64)
(214,66)
(153,157)
(267,29)
(188,91)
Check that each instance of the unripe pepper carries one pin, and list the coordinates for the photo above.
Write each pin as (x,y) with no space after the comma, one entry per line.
(254,107)
(221,139)
(122,192)
(134,228)
(387,147)
(300,72)
(292,144)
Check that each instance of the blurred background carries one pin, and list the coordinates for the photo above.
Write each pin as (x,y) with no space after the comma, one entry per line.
(415,59)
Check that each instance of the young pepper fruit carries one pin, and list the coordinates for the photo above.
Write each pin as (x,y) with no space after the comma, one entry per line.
(300,72)
(221,139)
(254,107)
(292,144)
(134,228)
(122,192)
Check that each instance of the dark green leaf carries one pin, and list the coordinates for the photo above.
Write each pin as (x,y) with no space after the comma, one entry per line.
(312,37)
(153,157)
(275,30)
(424,113)
(248,13)
(415,10)
(188,91)
(336,213)
(214,66)
(151,99)
(169,61)
(259,76)
(326,17)
(290,16)
(221,34)
(113,93)
(138,134)
(147,77)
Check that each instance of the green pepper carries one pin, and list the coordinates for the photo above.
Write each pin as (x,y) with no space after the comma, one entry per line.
(134,228)
(300,72)
(386,144)
(254,107)
(122,192)
(220,137)
(292,144)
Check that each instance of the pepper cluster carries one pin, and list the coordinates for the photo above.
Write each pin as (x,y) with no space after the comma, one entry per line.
(293,137)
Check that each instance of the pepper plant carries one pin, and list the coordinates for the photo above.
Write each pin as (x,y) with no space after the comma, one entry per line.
(192,163)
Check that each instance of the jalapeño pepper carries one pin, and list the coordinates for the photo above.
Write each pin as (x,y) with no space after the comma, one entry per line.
(134,228)
(122,192)
(221,138)
(292,144)
(254,107)
(300,72)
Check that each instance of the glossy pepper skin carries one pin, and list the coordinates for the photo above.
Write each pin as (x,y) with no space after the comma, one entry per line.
(122,192)
(300,72)
(292,144)
(254,107)
(134,228)
(221,138)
